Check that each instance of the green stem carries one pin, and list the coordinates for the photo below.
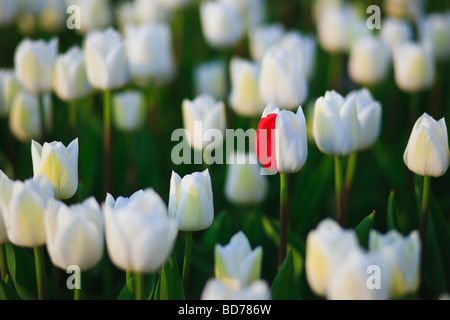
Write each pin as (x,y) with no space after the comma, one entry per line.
(187,260)
(338,185)
(424,217)
(138,286)
(39,264)
(76,294)
(73,114)
(284,219)
(3,267)
(348,184)
(107,139)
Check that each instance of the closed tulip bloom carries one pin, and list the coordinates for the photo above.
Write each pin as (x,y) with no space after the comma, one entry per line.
(352,279)
(281,143)
(237,262)
(23,206)
(106,60)
(69,77)
(25,117)
(218,290)
(96,14)
(74,234)
(222,23)
(59,164)
(282,80)
(211,78)
(327,247)
(396,31)
(129,110)
(434,31)
(305,44)
(191,201)
(244,184)
(369,62)
(414,67)
(336,128)
(369,116)
(8,90)
(333,29)
(139,234)
(203,110)
(244,97)
(150,55)
(262,38)
(34,62)
(427,152)
(404,255)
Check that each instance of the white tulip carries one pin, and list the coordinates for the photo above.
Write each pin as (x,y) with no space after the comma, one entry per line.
(414,67)
(327,247)
(262,38)
(106,60)
(282,80)
(8,90)
(70,79)
(59,164)
(25,117)
(305,44)
(333,29)
(218,290)
(129,111)
(336,128)
(34,62)
(23,206)
(191,201)
(150,53)
(222,23)
(139,234)
(211,78)
(74,234)
(404,255)
(5,193)
(244,96)
(369,62)
(206,111)
(253,11)
(396,31)
(8,11)
(427,152)
(434,31)
(95,15)
(369,116)
(150,11)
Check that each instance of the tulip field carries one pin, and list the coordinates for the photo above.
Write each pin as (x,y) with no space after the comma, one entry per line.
(224,150)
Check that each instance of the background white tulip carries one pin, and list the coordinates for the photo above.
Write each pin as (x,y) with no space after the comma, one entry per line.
(396,31)
(74,234)
(106,60)
(336,128)
(8,90)
(95,15)
(306,45)
(59,164)
(211,78)
(218,290)
(427,152)
(129,110)
(69,78)
(434,31)
(191,201)
(334,27)
(139,234)
(252,11)
(34,62)
(150,11)
(262,38)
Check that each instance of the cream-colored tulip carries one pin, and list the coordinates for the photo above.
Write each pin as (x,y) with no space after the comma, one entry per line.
(427,152)
(59,164)
(74,234)
(218,290)
(8,90)
(129,110)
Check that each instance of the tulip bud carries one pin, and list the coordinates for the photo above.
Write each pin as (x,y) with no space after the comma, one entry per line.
(404,255)
(34,62)
(427,152)
(326,248)
(129,110)
(237,262)
(336,127)
(23,206)
(434,31)
(333,29)
(149,49)
(282,80)
(8,11)
(25,117)
(74,234)
(219,290)
(262,38)
(59,164)
(222,23)
(106,60)
(396,31)
(96,14)
(369,117)
(244,184)
(369,62)
(70,79)
(191,201)
(244,97)
(8,90)
(413,67)
(139,234)
(211,78)
(206,111)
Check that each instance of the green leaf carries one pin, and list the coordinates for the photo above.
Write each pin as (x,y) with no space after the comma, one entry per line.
(284,286)
(169,286)
(363,229)
(21,268)
(127,292)
(7,293)
(392,212)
